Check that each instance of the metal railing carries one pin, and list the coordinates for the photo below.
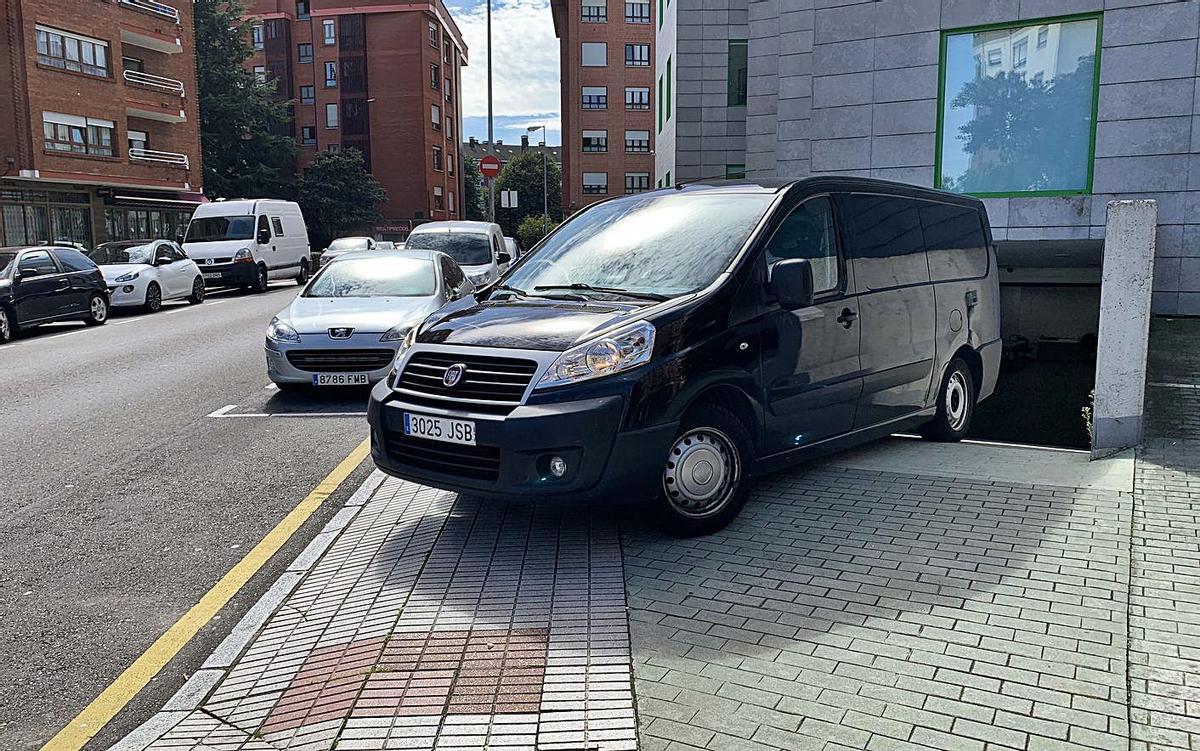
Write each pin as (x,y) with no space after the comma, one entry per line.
(165,158)
(151,81)
(155,8)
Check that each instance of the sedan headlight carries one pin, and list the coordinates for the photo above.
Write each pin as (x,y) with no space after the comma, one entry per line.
(619,351)
(478,279)
(396,333)
(127,277)
(279,331)
(243,256)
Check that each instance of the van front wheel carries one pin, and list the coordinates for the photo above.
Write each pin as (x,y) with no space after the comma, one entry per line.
(955,405)
(704,480)
(260,279)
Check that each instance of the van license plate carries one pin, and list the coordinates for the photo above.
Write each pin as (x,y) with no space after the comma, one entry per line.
(340,379)
(440,429)
(212,275)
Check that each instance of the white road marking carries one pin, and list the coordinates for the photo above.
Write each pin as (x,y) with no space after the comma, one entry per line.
(1174,385)
(228,408)
(1008,444)
(221,412)
(271,387)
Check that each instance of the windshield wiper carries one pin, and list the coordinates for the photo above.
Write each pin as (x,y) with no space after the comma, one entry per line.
(607,290)
(514,290)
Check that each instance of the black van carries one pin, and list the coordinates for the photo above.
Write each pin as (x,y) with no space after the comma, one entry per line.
(671,345)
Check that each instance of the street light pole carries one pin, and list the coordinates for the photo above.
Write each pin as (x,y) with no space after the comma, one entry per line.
(491,140)
(545,189)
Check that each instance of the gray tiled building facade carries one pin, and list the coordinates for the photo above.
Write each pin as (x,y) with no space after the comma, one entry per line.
(852,87)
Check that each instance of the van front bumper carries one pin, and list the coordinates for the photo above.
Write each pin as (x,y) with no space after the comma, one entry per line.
(512,453)
(228,274)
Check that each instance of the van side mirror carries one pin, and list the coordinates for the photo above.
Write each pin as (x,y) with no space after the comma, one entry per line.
(792,283)
(503,257)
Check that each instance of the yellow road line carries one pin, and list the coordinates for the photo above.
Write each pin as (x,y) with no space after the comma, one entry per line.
(127,685)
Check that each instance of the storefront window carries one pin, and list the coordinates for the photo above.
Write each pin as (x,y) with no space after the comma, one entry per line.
(37,217)
(1016,117)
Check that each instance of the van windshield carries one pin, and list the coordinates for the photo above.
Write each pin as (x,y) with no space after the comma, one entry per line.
(216,228)
(466,248)
(656,244)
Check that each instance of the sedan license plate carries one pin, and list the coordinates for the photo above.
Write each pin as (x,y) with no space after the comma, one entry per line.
(340,379)
(212,275)
(440,429)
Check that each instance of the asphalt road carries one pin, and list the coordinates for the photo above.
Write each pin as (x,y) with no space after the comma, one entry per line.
(122,501)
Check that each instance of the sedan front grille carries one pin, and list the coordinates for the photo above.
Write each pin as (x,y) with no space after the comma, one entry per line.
(340,360)
(492,385)
(474,462)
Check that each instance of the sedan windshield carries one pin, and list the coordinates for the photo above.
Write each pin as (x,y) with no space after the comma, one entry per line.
(109,255)
(468,249)
(375,277)
(211,229)
(659,244)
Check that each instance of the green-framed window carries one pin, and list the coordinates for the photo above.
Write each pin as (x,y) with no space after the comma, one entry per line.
(660,104)
(660,13)
(735,171)
(667,99)
(1017,107)
(736,73)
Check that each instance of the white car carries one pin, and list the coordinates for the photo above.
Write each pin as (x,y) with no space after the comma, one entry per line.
(478,247)
(146,273)
(344,245)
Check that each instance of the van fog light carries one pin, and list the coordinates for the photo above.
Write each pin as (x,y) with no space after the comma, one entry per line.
(558,466)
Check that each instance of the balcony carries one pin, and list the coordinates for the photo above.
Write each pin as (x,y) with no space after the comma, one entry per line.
(161,10)
(159,158)
(157,83)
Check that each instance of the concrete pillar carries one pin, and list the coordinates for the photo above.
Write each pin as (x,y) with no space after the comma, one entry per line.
(1124,325)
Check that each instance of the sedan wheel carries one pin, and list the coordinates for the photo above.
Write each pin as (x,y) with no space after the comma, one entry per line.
(198,292)
(153,298)
(97,311)
(6,327)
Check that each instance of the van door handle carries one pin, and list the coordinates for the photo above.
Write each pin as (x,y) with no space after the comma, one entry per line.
(847,318)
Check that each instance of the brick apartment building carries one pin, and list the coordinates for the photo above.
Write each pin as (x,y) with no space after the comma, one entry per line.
(607,62)
(383,78)
(99,128)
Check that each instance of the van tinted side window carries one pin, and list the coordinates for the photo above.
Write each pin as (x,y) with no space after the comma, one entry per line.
(885,241)
(955,242)
(263,226)
(808,233)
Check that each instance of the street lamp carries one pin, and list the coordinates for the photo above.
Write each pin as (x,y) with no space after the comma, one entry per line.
(545,190)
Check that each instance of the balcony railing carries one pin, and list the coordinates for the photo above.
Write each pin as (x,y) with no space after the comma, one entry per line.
(154,8)
(164,158)
(150,81)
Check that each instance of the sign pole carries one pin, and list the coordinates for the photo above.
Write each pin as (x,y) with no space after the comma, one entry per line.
(491,140)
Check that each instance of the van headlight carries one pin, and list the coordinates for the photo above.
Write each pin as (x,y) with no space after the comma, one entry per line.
(619,351)
(279,331)
(243,255)
(410,338)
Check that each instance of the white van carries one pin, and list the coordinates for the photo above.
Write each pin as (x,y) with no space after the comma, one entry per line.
(244,243)
(478,247)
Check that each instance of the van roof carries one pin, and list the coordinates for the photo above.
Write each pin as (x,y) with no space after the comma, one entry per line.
(826,182)
(457,226)
(238,205)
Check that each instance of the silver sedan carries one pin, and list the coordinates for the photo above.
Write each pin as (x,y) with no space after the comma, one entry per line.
(345,326)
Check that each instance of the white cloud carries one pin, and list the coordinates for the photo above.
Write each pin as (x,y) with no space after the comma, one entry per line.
(553,124)
(524,58)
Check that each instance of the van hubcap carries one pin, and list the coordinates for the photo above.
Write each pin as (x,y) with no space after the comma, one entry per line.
(956,400)
(702,472)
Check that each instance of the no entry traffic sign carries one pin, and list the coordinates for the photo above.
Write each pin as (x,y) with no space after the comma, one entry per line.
(489,166)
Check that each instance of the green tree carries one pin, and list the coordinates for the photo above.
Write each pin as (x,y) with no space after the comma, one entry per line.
(529,232)
(338,196)
(523,173)
(245,139)
(473,209)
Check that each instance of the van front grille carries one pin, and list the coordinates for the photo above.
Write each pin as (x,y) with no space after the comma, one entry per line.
(491,385)
(340,360)
(474,462)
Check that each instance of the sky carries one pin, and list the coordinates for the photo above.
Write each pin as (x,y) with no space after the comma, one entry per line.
(524,69)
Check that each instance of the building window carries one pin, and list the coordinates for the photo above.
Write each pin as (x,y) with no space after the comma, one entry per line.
(660,13)
(1022,126)
(595,11)
(333,148)
(595,54)
(306,52)
(328,32)
(595,141)
(1043,37)
(637,12)
(595,97)
(735,171)
(331,116)
(660,101)
(435,114)
(133,63)
(446,52)
(308,135)
(308,94)
(637,98)
(453,205)
(637,141)
(449,127)
(434,39)
(450,160)
(77,135)
(667,98)
(449,91)
(137,139)
(439,200)
(595,183)
(302,10)
(260,73)
(437,159)
(636,182)
(637,55)
(994,56)
(435,76)
(736,75)
(60,49)
(330,75)
(256,36)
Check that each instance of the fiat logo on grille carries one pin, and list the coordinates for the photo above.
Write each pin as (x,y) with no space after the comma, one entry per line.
(453,375)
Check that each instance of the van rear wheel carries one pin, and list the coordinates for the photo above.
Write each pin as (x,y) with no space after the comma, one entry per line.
(704,480)
(955,405)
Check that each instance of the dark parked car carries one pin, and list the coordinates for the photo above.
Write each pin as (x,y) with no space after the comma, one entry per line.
(44,284)
(671,345)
